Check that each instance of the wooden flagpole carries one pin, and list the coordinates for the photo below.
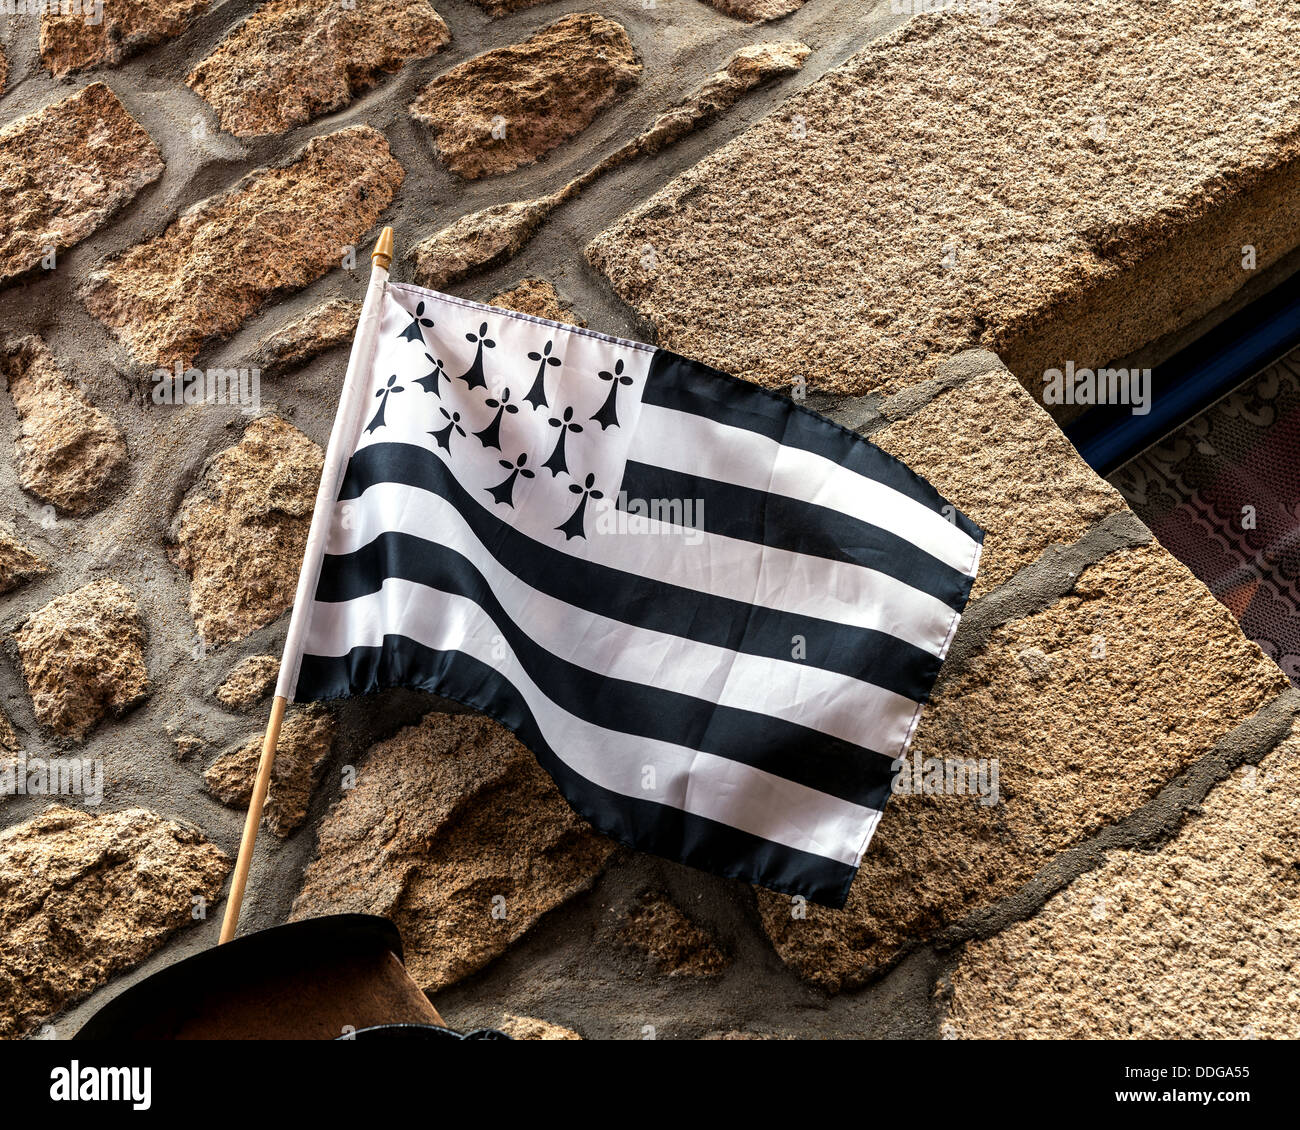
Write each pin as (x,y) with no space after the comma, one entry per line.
(253,820)
(342,438)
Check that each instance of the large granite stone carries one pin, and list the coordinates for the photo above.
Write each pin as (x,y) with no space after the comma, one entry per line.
(293,60)
(1003,461)
(1012,184)
(455,833)
(70,453)
(71,42)
(1198,940)
(82,655)
(1089,707)
(85,897)
(241,530)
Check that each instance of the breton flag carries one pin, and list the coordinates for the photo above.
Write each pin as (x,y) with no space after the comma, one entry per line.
(712,614)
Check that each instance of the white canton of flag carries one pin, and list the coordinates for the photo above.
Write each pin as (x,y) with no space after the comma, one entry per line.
(712,614)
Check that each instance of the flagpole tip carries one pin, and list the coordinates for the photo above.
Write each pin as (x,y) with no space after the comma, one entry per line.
(382,255)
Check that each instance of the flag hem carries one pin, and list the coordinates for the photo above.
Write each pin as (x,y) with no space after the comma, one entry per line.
(298,630)
(519,315)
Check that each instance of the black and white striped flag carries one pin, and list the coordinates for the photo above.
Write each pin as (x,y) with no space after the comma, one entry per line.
(712,614)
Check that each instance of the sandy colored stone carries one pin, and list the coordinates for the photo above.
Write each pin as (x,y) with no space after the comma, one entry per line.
(84,897)
(1148,670)
(305,741)
(1014,186)
(449,820)
(674,945)
(249,682)
(747,68)
(82,655)
(241,530)
(187,744)
(4,72)
(323,327)
(18,564)
(275,231)
(9,740)
(530,1028)
(293,60)
(478,240)
(497,233)
(758,10)
(1004,462)
(540,299)
(69,452)
(64,170)
(1199,940)
(507,107)
(70,43)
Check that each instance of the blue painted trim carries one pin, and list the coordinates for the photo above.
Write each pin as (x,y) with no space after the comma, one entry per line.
(1109,435)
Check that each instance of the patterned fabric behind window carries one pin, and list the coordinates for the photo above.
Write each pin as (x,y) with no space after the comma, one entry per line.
(1223,495)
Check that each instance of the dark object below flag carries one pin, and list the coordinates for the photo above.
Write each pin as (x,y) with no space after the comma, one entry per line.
(319,979)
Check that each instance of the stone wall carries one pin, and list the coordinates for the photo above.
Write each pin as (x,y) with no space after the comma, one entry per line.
(197,184)
(1067,181)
